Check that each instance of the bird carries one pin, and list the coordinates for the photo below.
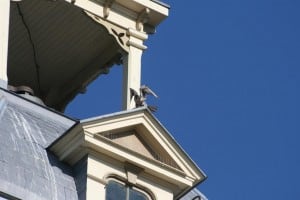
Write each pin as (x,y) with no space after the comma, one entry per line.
(145,90)
(137,99)
(140,99)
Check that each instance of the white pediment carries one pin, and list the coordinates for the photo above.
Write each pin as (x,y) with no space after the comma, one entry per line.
(136,137)
(137,142)
(140,132)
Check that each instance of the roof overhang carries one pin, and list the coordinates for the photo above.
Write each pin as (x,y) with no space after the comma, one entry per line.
(126,11)
(58,47)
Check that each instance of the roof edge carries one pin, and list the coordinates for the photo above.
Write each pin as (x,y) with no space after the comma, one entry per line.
(162,4)
(39,105)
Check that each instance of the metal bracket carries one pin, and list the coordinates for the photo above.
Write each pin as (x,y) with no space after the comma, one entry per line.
(142,18)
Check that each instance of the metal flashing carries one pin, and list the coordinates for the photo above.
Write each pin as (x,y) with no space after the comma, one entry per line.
(162,4)
(113,114)
(20,100)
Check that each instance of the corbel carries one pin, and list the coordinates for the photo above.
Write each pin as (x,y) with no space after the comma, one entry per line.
(107,7)
(142,18)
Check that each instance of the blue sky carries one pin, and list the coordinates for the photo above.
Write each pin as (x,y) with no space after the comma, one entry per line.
(227,77)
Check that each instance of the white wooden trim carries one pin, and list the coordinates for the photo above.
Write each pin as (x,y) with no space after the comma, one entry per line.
(4,32)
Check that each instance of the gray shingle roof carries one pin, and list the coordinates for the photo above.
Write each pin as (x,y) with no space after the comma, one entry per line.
(194,194)
(27,170)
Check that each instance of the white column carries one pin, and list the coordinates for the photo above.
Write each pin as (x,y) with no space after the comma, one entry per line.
(4,31)
(131,76)
(132,67)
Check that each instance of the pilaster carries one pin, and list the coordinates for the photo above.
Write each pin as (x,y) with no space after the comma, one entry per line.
(132,66)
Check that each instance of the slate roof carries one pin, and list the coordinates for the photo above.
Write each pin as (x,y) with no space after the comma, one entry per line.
(194,194)
(27,170)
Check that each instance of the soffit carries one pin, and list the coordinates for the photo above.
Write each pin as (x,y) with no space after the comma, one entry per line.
(56,49)
(158,10)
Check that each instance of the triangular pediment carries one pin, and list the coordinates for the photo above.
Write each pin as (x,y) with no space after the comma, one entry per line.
(132,141)
(138,131)
(135,137)
(136,142)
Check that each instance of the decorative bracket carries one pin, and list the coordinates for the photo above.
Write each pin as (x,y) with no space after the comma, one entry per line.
(116,31)
(142,18)
(106,8)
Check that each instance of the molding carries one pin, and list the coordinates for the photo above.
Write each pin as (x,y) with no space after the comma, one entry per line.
(136,45)
(125,38)
(118,177)
(136,39)
(97,179)
(143,117)
(137,34)
(118,14)
(125,9)
(174,148)
(131,121)
(116,149)
(139,187)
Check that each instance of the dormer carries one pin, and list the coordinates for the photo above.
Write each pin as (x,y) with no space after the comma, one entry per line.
(129,150)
